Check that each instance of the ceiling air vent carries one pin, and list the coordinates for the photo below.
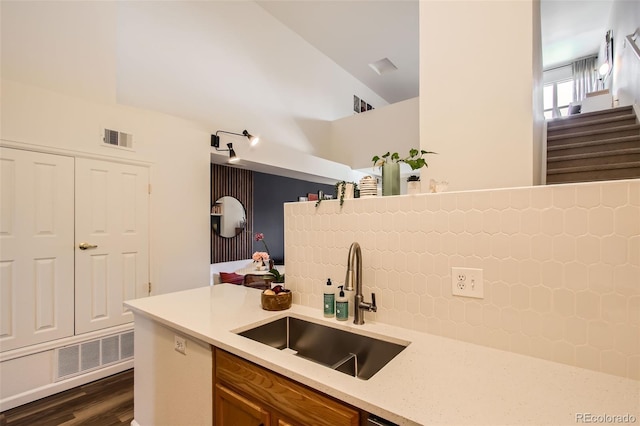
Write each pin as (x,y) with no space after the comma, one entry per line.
(116,138)
(383,66)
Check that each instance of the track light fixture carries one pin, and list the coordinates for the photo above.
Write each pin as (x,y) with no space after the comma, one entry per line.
(215,142)
(605,67)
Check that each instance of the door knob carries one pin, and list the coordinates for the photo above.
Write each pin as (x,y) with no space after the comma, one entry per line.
(84,246)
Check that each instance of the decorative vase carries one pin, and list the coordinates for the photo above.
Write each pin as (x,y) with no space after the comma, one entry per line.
(348,190)
(438,186)
(268,264)
(413,187)
(390,179)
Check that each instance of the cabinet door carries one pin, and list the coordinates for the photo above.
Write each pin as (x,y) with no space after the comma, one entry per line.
(36,236)
(279,421)
(112,215)
(292,401)
(235,410)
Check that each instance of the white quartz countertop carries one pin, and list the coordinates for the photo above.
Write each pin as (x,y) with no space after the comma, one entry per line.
(434,381)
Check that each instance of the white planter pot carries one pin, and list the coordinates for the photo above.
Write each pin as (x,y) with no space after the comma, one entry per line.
(348,192)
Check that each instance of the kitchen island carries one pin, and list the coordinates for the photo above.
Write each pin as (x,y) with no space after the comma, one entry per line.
(435,380)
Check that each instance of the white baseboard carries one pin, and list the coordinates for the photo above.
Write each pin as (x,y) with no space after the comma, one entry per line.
(53,388)
(65,341)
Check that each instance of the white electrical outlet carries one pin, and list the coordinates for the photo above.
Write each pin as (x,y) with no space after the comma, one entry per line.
(180,344)
(467,282)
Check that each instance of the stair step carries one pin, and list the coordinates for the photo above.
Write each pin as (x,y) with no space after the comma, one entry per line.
(630,172)
(588,116)
(585,126)
(602,145)
(599,134)
(629,165)
(594,160)
(599,154)
(601,142)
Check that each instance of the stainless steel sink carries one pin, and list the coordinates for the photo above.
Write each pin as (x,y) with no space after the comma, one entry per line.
(350,353)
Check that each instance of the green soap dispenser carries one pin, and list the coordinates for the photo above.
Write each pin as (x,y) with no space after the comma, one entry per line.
(329,300)
(342,305)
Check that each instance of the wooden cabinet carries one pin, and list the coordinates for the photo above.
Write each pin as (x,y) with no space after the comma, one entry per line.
(234,409)
(248,395)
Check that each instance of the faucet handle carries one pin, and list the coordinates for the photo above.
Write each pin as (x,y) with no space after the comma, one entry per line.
(373,307)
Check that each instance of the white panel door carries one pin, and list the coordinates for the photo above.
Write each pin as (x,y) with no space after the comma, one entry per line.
(36,248)
(112,214)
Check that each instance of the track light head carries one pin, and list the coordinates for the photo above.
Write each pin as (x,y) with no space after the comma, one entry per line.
(253,139)
(232,154)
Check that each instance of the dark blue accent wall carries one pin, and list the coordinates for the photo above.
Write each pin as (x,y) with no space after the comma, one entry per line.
(270,192)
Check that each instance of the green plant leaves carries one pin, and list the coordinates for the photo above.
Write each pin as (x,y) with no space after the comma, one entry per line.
(414,160)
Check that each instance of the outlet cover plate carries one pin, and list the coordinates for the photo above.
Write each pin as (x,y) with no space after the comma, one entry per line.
(180,344)
(467,282)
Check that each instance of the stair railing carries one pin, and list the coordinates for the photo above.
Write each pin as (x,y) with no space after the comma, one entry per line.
(631,39)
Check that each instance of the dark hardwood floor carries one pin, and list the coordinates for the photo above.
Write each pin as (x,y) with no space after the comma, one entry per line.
(105,402)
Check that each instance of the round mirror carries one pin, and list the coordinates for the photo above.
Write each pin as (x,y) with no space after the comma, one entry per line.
(228,217)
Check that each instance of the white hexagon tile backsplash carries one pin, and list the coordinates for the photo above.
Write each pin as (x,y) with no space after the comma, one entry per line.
(561,266)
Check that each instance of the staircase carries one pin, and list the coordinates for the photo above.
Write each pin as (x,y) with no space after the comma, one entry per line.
(601,145)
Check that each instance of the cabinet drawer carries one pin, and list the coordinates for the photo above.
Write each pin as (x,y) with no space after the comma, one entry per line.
(234,409)
(291,399)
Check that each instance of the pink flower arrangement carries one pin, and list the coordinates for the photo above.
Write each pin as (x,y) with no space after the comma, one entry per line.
(260,237)
(260,256)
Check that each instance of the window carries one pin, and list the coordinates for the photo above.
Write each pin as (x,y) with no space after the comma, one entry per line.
(557,97)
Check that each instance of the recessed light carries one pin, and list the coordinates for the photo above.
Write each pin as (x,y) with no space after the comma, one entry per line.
(383,66)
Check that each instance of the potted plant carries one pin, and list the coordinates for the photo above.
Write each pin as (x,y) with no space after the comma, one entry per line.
(278,278)
(415,160)
(344,190)
(390,172)
(413,184)
(391,168)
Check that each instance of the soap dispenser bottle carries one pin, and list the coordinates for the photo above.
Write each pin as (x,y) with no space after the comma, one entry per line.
(329,300)
(342,305)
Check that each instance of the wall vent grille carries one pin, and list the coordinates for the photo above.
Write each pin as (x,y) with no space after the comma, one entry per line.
(93,354)
(116,138)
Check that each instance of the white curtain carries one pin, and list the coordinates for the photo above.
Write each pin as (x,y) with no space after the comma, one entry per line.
(585,77)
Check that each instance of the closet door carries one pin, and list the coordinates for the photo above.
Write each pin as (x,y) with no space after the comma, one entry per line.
(36,247)
(112,241)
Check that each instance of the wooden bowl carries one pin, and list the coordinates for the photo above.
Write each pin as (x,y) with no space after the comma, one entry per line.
(276,302)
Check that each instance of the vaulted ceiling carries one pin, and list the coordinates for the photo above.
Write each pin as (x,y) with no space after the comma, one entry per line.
(276,73)
(357,33)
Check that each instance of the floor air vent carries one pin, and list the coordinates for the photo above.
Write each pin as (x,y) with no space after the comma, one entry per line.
(93,354)
(116,138)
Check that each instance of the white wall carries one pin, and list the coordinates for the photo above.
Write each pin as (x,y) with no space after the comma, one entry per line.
(538,128)
(179,154)
(476,78)
(560,266)
(357,138)
(171,388)
(624,19)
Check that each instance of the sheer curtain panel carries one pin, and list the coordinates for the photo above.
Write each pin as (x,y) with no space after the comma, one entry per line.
(585,77)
